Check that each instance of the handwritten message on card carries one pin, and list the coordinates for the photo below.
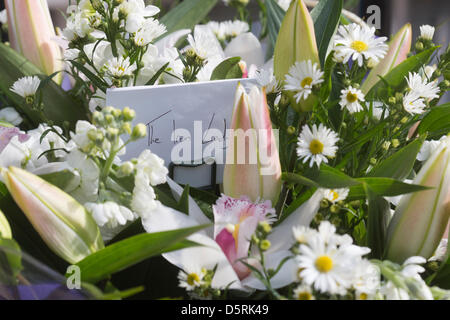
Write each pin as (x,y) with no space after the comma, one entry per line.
(184,122)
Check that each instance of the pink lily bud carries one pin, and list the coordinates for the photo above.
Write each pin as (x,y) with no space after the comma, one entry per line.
(252,166)
(5,229)
(296,42)
(31,33)
(64,224)
(399,48)
(421,218)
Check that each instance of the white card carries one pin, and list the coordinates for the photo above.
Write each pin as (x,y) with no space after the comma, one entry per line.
(181,115)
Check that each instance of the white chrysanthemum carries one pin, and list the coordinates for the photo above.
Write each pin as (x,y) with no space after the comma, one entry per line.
(335,195)
(143,201)
(302,77)
(150,30)
(26,86)
(326,268)
(205,43)
(136,13)
(317,145)
(428,148)
(427,32)
(366,280)
(428,71)
(303,234)
(421,87)
(10,115)
(120,67)
(234,28)
(3,17)
(351,98)
(153,167)
(267,79)
(191,277)
(110,214)
(303,292)
(359,43)
(218,29)
(413,103)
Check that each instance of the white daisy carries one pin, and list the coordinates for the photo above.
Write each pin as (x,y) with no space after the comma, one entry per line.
(421,87)
(302,77)
(335,195)
(120,67)
(427,32)
(351,98)
(303,292)
(359,43)
(317,145)
(204,43)
(303,234)
(366,280)
(26,86)
(326,268)
(218,29)
(413,103)
(234,28)
(267,79)
(191,277)
(150,30)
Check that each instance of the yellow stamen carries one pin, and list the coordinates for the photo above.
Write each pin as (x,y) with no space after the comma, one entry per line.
(192,278)
(304,296)
(359,46)
(363,296)
(316,147)
(324,264)
(335,195)
(351,97)
(306,82)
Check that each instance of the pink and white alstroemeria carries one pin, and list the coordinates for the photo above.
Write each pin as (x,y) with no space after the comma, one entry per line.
(229,239)
(235,221)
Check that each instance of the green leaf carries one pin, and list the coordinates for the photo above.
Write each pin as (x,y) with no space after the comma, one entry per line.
(125,253)
(153,80)
(183,203)
(328,177)
(187,14)
(436,121)
(326,16)
(228,69)
(61,179)
(442,276)
(399,165)
(298,179)
(10,261)
(385,187)
(58,105)
(96,81)
(364,138)
(376,223)
(275,15)
(396,77)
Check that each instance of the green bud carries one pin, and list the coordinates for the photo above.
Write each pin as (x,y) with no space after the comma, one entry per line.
(392,100)
(265,227)
(335,208)
(291,130)
(255,239)
(386,145)
(265,245)
(92,134)
(419,46)
(399,97)
(109,118)
(395,143)
(128,114)
(112,133)
(126,169)
(108,110)
(126,127)
(373,161)
(117,113)
(324,203)
(139,131)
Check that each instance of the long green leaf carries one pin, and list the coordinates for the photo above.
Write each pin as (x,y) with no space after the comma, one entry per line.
(396,77)
(399,165)
(326,16)
(187,14)
(59,106)
(125,253)
(99,83)
(436,121)
(376,223)
(328,177)
(275,15)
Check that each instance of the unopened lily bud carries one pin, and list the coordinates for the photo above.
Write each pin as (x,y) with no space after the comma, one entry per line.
(139,131)
(64,224)
(5,229)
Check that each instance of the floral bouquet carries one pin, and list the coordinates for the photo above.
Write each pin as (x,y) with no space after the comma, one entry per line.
(336,183)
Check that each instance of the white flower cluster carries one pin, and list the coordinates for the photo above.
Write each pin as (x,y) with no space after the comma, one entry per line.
(420,91)
(227,30)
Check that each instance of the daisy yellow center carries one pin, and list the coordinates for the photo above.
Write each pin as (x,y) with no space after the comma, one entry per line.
(316,147)
(351,97)
(192,278)
(299,271)
(359,46)
(363,296)
(335,195)
(304,296)
(324,264)
(306,82)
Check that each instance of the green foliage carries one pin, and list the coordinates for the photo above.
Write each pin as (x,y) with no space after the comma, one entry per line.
(228,69)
